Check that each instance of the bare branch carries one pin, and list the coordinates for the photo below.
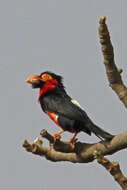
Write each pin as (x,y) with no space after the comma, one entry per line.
(50,153)
(113,74)
(114,169)
(82,153)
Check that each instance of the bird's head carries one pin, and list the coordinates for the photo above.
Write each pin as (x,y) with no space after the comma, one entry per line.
(45,78)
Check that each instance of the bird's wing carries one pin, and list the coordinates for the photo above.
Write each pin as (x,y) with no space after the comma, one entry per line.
(67,107)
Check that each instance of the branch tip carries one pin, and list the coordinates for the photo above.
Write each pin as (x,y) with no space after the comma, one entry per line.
(25,143)
(38,142)
(120,70)
(96,154)
(102,19)
(47,136)
(43,132)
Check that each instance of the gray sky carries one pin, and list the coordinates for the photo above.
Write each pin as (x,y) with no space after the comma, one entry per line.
(60,36)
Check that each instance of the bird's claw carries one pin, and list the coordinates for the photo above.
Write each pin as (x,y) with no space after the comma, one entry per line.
(56,136)
(73,141)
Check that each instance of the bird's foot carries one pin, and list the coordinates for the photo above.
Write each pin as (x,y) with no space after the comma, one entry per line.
(72,141)
(57,135)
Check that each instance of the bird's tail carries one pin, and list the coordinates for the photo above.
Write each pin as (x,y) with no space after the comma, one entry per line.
(100,133)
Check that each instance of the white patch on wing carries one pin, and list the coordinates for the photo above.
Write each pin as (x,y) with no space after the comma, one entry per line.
(76,103)
(56,117)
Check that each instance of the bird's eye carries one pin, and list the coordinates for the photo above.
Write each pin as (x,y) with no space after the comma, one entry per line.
(46,77)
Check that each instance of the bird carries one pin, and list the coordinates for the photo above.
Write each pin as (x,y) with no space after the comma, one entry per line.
(62,109)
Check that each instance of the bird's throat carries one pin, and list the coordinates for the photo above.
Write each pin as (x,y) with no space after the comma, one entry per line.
(48,86)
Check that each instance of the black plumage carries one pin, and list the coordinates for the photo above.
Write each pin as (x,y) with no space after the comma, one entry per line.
(68,113)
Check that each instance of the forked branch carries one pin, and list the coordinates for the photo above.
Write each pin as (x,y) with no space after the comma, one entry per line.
(81,153)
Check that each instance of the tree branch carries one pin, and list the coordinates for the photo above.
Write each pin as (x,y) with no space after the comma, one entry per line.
(81,153)
(113,74)
(114,169)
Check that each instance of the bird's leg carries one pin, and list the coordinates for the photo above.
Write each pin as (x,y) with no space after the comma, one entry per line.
(56,135)
(73,139)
